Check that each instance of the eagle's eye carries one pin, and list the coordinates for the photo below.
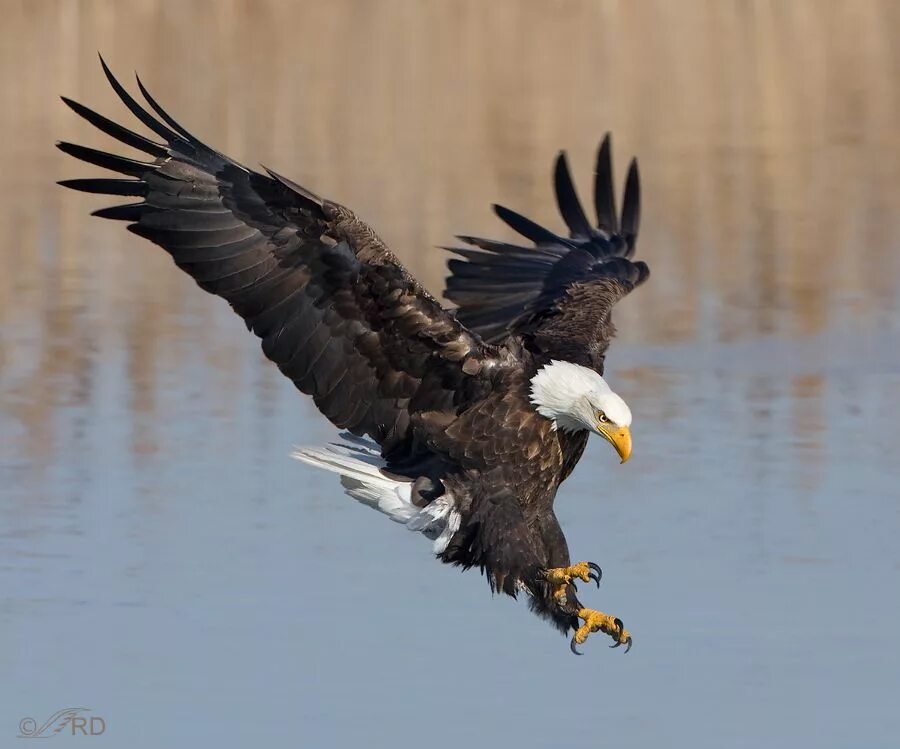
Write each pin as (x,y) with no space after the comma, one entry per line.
(601,417)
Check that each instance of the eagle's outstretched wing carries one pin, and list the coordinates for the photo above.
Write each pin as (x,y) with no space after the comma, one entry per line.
(335,309)
(559,292)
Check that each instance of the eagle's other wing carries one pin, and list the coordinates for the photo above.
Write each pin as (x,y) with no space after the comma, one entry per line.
(560,291)
(334,308)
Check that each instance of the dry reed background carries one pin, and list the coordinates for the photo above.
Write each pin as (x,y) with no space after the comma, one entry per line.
(767,133)
(141,434)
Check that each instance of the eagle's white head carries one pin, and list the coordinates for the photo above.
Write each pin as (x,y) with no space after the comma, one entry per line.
(576,398)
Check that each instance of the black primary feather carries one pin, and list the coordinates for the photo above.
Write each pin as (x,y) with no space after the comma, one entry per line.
(631,207)
(567,199)
(604,189)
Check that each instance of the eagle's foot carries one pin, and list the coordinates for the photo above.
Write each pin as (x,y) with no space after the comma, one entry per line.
(597,621)
(562,577)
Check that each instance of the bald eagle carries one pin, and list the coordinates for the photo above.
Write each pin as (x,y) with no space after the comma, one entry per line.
(459,423)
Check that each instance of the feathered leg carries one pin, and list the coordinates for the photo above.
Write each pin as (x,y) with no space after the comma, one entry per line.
(554,595)
(515,554)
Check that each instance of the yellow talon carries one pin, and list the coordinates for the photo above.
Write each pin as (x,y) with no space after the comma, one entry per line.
(561,577)
(597,621)
(586,571)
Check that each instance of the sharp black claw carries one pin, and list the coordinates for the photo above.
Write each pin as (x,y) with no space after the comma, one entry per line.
(573,648)
(595,574)
(621,628)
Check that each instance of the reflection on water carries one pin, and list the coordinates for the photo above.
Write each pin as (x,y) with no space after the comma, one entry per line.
(164,563)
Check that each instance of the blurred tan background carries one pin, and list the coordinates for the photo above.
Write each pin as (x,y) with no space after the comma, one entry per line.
(164,563)
(767,134)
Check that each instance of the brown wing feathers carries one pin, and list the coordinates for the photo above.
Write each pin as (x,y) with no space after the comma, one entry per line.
(334,309)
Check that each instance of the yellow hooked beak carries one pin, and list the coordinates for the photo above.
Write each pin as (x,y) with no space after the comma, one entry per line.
(618,437)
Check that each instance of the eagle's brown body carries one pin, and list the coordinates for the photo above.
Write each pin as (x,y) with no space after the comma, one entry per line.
(445,394)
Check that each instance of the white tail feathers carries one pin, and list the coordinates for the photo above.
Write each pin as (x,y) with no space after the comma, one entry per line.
(358,463)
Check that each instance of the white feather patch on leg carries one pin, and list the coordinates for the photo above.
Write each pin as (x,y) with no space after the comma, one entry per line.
(358,462)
